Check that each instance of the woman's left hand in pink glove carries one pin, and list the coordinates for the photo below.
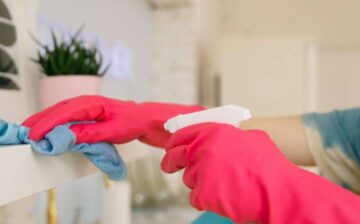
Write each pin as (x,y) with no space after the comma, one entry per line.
(114,121)
(244,176)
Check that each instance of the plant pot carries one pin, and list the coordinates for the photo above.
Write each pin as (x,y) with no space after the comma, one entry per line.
(57,88)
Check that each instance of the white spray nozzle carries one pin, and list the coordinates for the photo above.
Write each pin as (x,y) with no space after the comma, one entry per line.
(230,114)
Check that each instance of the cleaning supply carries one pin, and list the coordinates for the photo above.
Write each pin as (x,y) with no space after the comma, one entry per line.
(229,114)
(244,176)
(117,121)
(61,140)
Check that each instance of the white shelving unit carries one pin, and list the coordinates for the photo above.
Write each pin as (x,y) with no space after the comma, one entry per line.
(24,172)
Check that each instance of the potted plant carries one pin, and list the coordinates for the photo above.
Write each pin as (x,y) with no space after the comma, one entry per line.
(70,68)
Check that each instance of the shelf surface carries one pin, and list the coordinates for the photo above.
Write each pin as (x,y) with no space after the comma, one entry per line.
(24,172)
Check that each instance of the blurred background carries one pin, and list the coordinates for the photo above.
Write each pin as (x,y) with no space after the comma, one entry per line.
(275,57)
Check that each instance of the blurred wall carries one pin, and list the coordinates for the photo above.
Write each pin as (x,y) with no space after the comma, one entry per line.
(332,22)
(208,23)
(339,78)
(174,71)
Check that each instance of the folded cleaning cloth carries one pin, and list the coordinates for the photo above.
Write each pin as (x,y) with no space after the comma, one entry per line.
(60,140)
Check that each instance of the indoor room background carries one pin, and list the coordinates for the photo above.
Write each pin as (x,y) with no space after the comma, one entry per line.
(275,57)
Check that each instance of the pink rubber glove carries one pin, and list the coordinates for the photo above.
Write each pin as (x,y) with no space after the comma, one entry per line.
(244,176)
(116,121)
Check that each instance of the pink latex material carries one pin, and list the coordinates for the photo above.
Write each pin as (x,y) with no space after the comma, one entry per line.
(116,121)
(244,176)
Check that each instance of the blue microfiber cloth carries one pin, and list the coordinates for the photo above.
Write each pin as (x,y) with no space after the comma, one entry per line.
(60,140)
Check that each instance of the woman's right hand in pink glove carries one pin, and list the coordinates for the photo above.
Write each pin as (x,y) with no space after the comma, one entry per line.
(116,121)
(244,176)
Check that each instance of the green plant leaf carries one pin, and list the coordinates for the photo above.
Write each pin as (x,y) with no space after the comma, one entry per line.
(69,57)
(55,42)
(36,40)
(105,70)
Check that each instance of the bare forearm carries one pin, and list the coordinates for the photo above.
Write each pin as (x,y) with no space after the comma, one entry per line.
(288,134)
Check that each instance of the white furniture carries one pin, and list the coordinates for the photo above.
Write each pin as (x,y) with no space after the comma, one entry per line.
(24,173)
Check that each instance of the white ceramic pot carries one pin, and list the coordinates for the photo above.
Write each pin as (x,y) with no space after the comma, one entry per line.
(57,88)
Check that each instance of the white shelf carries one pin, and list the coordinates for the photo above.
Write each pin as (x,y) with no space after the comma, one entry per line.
(24,172)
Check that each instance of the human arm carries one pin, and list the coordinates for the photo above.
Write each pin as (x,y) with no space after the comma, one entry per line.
(288,133)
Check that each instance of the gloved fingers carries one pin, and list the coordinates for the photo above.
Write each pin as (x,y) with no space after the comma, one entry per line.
(174,159)
(190,175)
(91,132)
(65,113)
(194,199)
(103,131)
(32,120)
(157,137)
(188,134)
